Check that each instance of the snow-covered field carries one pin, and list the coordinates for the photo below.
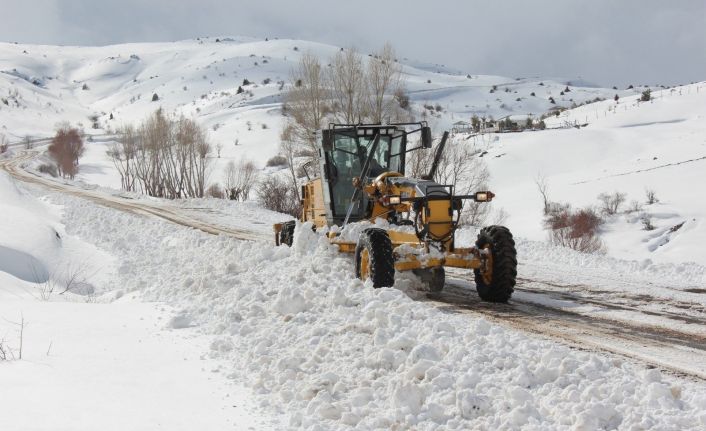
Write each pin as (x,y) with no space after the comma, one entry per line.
(167,326)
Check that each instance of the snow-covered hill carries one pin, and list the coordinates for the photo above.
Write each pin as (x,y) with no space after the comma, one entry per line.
(43,85)
(626,147)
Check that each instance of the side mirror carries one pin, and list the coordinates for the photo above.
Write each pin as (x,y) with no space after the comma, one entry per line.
(327,140)
(426,137)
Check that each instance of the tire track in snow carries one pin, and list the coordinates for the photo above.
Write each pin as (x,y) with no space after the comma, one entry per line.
(173,214)
(668,349)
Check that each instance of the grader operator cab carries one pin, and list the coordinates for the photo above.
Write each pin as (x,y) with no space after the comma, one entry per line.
(362,179)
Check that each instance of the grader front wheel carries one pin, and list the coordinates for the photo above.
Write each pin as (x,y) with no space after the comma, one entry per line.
(495,282)
(286,235)
(374,259)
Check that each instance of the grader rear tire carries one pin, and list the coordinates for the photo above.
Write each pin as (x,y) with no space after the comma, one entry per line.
(498,283)
(374,259)
(286,235)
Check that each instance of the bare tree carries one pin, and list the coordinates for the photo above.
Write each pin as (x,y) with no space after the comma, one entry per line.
(542,185)
(307,102)
(171,157)
(384,79)
(240,179)
(66,148)
(288,148)
(122,152)
(347,81)
(27,141)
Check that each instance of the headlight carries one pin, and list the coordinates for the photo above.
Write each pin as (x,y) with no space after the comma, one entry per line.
(388,200)
(483,196)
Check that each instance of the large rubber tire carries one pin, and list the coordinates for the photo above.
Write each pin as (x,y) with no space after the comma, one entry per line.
(286,235)
(434,278)
(376,244)
(502,246)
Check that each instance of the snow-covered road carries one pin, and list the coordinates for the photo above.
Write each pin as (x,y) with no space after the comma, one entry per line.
(662,324)
(637,320)
(324,350)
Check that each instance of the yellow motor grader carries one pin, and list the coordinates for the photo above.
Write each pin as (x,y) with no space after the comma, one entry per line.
(412,220)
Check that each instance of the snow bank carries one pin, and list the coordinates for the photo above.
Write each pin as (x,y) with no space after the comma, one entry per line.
(330,352)
(34,246)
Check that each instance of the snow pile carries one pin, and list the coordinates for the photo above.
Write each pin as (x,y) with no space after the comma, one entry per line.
(35,248)
(331,352)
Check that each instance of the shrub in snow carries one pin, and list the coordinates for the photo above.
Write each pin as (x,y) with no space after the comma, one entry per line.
(246,82)
(577,230)
(651,196)
(277,160)
(646,220)
(155,97)
(46,168)
(646,95)
(635,206)
(277,195)
(215,191)
(610,203)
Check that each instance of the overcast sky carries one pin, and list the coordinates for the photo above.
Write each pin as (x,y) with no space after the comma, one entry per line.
(608,42)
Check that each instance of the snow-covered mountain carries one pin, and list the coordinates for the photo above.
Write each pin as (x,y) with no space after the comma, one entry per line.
(43,85)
